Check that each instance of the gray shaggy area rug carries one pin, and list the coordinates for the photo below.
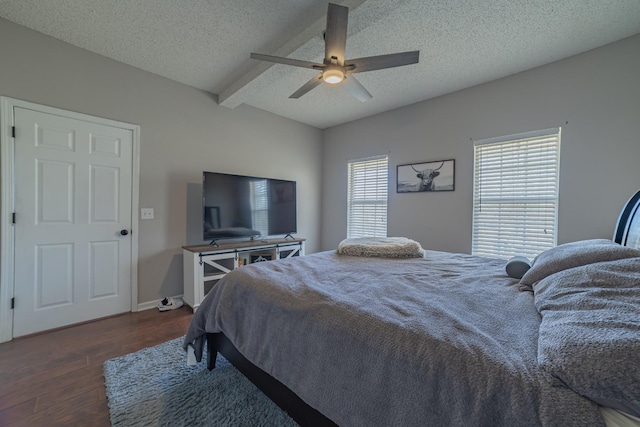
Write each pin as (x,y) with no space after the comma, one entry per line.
(155,387)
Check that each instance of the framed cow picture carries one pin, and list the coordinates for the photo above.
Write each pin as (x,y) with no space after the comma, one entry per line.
(426,176)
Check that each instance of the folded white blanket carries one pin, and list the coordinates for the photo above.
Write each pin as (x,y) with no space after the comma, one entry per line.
(385,247)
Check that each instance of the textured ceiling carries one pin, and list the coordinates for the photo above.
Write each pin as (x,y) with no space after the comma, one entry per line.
(206,43)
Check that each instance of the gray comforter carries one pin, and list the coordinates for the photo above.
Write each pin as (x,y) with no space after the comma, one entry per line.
(447,340)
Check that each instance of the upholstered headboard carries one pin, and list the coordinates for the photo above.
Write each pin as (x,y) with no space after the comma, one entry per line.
(627,231)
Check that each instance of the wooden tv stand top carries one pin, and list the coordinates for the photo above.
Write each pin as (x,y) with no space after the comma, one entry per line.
(241,245)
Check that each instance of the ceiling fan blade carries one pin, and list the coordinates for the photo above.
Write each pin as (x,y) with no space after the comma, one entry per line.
(315,81)
(335,36)
(380,62)
(355,88)
(287,61)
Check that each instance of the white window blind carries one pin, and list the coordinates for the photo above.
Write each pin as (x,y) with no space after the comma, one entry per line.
(259,208)
(515,194)
(367,197)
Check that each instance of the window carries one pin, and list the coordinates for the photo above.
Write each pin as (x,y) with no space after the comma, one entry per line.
(367,197)
(515,194)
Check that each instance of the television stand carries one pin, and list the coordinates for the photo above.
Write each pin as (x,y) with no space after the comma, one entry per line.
(289,235)
(204,265)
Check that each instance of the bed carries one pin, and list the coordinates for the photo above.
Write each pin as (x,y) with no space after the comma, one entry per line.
(443,339)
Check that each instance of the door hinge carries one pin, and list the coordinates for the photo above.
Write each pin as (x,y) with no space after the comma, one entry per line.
(13,131)
(13,218)
(13,303)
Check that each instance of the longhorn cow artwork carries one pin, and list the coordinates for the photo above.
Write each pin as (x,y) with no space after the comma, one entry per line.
(427,176)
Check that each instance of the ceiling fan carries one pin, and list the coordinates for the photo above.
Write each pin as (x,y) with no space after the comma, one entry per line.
(335,69)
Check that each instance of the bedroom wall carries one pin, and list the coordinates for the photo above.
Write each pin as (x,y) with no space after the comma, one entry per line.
(183,132)
(594,97)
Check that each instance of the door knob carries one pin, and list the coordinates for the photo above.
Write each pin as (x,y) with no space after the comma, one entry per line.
(124,232)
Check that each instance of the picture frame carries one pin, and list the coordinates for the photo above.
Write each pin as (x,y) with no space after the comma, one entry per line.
(283,192)
(422,177)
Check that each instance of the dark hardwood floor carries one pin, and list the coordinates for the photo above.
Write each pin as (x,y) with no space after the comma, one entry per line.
(55,378)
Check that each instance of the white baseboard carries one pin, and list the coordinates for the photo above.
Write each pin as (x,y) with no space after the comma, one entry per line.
(153,304)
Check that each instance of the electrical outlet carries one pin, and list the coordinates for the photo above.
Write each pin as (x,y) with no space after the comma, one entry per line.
(146,213)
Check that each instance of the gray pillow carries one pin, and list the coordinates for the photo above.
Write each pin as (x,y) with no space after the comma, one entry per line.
(517,266)
(589,337)
(574,254)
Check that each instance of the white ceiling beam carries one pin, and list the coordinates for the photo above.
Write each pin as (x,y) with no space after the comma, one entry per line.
(230,97)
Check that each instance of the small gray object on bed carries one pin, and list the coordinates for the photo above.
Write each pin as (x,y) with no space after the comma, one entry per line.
(517,267)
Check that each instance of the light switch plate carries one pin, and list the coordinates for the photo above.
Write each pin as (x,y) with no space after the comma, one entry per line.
(146,213)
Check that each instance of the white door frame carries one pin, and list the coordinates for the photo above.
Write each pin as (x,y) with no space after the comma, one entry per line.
(7,202)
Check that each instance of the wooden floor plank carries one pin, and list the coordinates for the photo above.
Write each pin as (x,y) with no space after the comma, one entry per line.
(56,378)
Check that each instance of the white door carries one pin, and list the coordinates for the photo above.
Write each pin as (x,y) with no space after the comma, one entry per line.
(73,187)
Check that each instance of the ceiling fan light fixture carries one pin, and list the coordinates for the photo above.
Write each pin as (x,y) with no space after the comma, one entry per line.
(333,76)
(335,67)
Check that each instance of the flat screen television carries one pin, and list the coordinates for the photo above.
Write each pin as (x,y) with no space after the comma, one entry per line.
(237,206)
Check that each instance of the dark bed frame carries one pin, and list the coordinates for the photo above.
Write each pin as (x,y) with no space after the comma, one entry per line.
(280,394)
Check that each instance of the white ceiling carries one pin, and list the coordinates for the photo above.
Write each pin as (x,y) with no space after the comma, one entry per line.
(206,43)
